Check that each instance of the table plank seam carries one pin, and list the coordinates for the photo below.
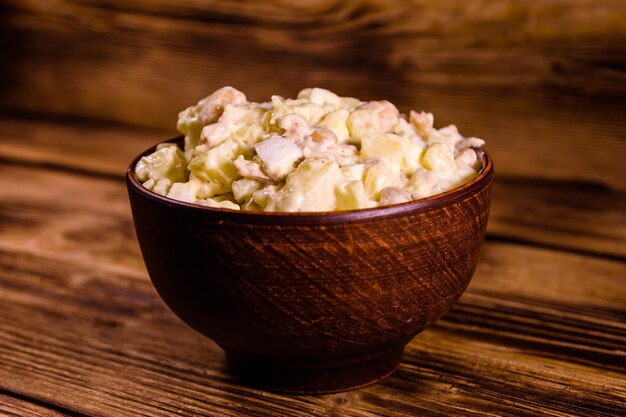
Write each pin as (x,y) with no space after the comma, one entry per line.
(68,169)
(41,403)
(501,238)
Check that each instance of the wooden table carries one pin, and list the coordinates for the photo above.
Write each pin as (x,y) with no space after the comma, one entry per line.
(541,329)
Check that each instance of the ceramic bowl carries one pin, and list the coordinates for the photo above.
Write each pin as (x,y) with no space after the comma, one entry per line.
(312,302)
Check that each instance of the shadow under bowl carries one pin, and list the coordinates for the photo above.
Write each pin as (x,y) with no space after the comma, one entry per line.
(312,302)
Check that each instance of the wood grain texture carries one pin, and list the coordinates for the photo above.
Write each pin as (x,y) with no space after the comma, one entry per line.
(543,82)
(68,217)
(577,216)
(97,148)
(107,339)
(17,406)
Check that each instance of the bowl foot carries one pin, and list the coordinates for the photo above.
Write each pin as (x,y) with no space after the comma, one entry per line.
(305,377)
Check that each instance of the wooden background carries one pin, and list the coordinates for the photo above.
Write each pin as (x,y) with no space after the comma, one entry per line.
(86,85)
(543,82)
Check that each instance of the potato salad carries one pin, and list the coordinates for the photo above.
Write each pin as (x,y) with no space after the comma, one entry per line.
(317,152)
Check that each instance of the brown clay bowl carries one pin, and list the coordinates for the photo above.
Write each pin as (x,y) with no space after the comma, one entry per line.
(312,302)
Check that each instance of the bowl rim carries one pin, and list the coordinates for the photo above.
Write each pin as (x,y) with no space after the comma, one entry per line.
(474,186)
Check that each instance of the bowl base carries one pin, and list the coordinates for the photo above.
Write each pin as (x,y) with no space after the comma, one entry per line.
(319,378)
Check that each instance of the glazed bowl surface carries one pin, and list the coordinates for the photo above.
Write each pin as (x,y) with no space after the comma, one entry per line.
(312,302)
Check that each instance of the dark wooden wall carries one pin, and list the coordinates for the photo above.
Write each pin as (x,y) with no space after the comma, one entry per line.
(544,82)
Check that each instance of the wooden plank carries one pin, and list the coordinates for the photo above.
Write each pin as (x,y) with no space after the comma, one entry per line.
(97,147)
(576,216)
(568,215)
(102,343)
(11,406)
(68,216)
(556,113)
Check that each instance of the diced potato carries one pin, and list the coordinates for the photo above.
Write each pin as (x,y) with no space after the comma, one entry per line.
(214,134)
(215,166)
(463,174)
(167,162)
(439,158)
(206,111)
(245,122)
(251,205)
(162,186)
(243,188)
(250,169)
(320,96)
(353,172)
(400,154)
(362,122)
(185,191)
(349,103)
(423,183)
(311,187)
(217,203)
(386,112)
(351,196)
(377,177)
(166,145)
(263,196)
(242,121)
(190,126)
(422,122)
(311,112)
(336,121)
(149,184)
(242,115)
(406,130)
(224,197)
